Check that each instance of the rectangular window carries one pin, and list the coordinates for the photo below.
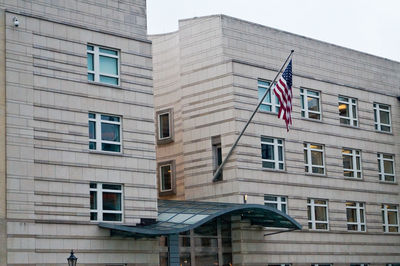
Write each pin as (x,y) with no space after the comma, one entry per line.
(272,153)
(269,104)
(317,214)
(359,264)
(106,202)
(166,174)
(216,155)
(310,104)
(277,202)
(314,158)
(322,264)
(386,167)
(351,163)
(390,218)
(164,126)
(348,111)
(104,132)
(382,117)
(103,65)
(355,212)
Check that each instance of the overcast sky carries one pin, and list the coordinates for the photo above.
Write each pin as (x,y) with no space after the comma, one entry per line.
(371,26)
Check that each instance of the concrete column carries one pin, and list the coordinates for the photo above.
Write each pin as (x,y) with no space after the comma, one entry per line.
(173,250)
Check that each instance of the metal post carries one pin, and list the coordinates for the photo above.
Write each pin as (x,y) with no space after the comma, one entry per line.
(248,122)
(173,250)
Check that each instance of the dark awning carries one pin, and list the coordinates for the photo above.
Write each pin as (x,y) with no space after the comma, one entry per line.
(176,216)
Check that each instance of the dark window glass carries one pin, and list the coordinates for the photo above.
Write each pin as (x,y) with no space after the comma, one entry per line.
(111,201)
(164,126)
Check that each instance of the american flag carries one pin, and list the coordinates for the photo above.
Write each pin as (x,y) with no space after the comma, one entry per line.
(283,90)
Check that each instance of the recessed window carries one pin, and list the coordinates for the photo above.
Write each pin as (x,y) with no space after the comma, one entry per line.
(351,163)
(104,132)
(166,177)
(106,202)
(382,117)
(272,153)
(164,126)
(270,102)
(314,158)
(390,218)
(386,167)
(348,111)
(355,212)
(217,155)
(103,65)
(317,214)
(310,104)
(277,202)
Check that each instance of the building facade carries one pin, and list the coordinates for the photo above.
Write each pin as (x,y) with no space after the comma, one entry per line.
(335,171)
(77,143)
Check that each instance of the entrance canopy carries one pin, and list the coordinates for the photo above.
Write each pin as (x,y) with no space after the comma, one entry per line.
(175,216)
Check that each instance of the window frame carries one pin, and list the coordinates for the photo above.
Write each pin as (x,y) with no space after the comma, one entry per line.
(308,149)
(381,167)
(279,202)
(216,149)
(96,64)
(351,102)
(99,191)
(353,155)
(274,103)
(385,223)
(377,118)
(276,160)
(171,191)
(98,132)
(170,138)
(358,207)
(305,112)
(311,204)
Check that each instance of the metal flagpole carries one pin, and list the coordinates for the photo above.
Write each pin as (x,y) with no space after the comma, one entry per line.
(248,121)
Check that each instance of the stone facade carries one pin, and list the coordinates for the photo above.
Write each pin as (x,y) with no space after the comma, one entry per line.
(45,98)
(213,91)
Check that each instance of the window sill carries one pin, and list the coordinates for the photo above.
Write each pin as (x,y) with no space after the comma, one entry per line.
(318,230)
(113,222)
(104,84)
(167,193)
(353,178)
(273,170)
(388,182)
(106,153)
(384,132)
(165,141)
(356,232)
(320,175)
(267,112)
(312,120)
(349,126)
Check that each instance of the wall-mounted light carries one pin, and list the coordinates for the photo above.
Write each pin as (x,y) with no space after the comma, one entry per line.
(245,198)
(16,21)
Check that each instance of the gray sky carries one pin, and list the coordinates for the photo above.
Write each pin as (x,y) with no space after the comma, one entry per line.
(371,26)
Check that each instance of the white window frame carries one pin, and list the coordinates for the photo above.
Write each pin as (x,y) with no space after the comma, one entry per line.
(359,206)
(305,112)
(308,148)
(98,140)
(274,104)
(280,201)
(171,176)
(311,203)
(96,64)
(276,146)
(377,118)
(382,174)
(351,102)
(354,154)
(99,191)
(385,210)
(159,125)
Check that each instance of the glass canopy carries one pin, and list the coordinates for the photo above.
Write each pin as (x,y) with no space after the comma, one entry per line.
(178,216)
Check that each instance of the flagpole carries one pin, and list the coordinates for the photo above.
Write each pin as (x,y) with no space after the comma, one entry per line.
(248,121)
